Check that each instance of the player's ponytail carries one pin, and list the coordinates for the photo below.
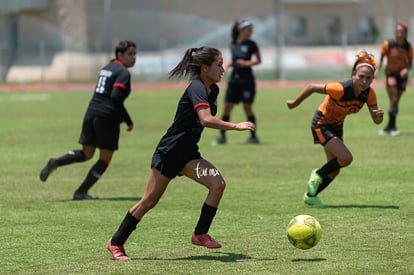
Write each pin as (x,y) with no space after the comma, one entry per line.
(235,31)
(193,59)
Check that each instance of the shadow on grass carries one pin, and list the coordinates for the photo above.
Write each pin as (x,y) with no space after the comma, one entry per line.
(121,199)
(225,257)
(309,260)
(133,199)
(364,206)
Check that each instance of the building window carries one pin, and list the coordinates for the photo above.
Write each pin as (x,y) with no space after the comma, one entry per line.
(299,26)
(334,27)
(368,30)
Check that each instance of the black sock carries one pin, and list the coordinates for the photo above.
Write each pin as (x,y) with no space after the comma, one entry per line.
(224,118)
(127,226)
(392,114)
(206,218)
(71,157)
(94,174)
(328,168)
(325,182)
(391,120)
(252,118)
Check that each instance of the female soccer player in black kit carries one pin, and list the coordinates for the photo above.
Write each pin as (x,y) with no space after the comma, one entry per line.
(177,152)
(101,123)
(242,84)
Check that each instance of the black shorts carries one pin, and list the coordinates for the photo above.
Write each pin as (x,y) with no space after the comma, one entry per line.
(100,132)
(401,82)
(323,133)
(171,167)
(241,90)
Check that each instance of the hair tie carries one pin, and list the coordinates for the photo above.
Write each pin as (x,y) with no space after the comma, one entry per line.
(363,58)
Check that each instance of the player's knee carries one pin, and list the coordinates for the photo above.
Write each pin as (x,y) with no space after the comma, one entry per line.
(345,160)
(219,186)
(87,155)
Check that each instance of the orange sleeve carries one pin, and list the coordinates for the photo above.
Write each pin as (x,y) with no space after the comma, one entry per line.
(384,47)
(372,98)
(334,90)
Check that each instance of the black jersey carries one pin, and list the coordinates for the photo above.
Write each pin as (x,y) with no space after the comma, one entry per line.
(245,50)
(182,137)
(112,88)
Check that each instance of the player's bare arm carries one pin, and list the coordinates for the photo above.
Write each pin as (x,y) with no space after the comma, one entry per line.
(310,89)
(209,121)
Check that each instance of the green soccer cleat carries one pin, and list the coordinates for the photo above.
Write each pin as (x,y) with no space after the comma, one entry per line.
(314,201)
(314,181)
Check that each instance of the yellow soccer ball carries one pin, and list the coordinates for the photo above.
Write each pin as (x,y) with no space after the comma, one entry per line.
(304,232)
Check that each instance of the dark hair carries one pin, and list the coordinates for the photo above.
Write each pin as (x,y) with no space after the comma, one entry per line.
(235,30)
(123,46)
(404,25)
(190,64)
(364,57)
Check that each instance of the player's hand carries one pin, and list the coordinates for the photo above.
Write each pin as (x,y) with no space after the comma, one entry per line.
(130,127)
(247,125)
(291,104)
(243,63)
(404,73)
(378,115)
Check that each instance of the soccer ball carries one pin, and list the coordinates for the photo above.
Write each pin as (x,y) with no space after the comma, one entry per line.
(304,232)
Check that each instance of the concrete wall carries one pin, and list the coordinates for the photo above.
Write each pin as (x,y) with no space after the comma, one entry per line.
(91,27)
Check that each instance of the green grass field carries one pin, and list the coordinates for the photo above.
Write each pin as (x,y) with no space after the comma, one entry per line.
(369,228)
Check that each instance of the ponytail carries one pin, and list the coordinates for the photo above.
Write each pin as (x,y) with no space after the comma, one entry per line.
(193,59)
(235,31)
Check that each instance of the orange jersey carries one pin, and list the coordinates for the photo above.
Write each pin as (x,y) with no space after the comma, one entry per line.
(398,56)
(340,101)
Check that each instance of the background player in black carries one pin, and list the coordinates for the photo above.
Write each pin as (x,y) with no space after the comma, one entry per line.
(101,123)
(177,152)
(242,84)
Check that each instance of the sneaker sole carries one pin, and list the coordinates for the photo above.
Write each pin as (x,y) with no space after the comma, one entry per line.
(209,247)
